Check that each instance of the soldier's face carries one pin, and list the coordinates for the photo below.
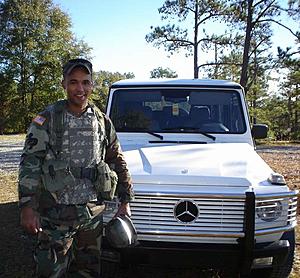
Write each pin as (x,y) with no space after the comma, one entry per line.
(78,85)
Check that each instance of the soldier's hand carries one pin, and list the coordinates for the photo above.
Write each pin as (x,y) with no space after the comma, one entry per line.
(30,220)
(124,209)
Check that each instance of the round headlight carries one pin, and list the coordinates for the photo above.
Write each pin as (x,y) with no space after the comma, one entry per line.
(269,211)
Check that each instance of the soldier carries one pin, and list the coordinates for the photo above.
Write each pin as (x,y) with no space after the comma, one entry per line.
(71,163)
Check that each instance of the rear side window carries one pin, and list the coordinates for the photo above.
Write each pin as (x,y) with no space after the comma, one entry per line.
(177,110)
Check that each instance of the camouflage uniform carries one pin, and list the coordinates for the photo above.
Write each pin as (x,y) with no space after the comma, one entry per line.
(57,179)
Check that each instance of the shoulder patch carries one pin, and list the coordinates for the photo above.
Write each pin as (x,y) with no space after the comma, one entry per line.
(39,120)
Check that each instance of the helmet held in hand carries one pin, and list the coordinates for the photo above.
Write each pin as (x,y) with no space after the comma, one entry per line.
(120,232)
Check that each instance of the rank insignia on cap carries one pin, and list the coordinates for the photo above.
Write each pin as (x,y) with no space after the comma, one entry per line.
(39,120)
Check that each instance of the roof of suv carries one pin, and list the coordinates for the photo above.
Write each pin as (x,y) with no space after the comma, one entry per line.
(129,83)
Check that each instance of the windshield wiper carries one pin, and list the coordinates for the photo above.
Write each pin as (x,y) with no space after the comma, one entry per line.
(154,134)
(141,130)
(185,128)
(178,142)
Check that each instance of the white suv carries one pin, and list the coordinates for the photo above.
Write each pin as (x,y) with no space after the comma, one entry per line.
(203,196)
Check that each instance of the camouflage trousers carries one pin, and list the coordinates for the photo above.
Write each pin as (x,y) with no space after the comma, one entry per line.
(69,244)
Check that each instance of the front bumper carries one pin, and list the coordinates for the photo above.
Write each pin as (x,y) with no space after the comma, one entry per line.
(218,256)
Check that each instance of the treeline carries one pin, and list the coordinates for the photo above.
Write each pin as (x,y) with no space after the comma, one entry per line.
(36,40)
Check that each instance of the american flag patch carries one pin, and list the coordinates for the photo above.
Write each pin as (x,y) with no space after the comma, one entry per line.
(39,120)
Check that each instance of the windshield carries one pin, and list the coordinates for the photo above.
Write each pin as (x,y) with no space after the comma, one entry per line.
(177,110)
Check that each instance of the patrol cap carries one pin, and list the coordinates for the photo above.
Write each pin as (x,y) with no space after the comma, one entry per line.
(74,63)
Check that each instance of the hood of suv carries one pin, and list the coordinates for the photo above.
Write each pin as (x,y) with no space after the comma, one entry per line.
(209,164)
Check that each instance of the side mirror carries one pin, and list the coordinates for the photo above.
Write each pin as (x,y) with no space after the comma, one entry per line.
(259,131)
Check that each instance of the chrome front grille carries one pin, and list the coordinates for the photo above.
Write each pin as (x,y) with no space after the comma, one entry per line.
(218,217)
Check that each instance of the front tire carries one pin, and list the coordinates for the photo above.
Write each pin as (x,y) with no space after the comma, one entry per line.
(284,270)
(279,269)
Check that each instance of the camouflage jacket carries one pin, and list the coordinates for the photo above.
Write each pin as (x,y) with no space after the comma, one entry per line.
(39,145)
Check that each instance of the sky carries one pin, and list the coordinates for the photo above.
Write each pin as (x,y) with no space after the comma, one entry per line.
(116,31)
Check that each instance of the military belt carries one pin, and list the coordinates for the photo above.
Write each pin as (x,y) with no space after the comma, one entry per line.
(84,173)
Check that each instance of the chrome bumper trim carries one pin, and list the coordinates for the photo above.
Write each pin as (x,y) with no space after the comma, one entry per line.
(209,234)
(275,230)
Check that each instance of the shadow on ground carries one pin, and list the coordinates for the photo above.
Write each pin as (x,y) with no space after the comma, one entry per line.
(16,247)
(16,252)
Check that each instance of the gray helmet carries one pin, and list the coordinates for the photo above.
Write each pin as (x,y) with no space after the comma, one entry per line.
(120,232)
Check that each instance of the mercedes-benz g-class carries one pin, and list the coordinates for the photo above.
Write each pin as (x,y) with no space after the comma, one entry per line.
(203,196)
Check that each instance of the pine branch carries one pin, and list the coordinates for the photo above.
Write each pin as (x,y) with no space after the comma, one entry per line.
(184,42)
(257,46)
(282,25)
(262,13)
(262,1)
(166,38)
(219,64)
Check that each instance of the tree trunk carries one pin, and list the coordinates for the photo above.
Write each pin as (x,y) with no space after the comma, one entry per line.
(244,74)
(255,70)
(216,71)
(196,69)
(290,116)
(254,107)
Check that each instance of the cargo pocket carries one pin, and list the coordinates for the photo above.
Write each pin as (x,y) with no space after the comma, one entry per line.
(56,175)
(106,182)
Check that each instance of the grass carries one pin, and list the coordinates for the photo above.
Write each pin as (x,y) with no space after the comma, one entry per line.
(12,137)
(8,192)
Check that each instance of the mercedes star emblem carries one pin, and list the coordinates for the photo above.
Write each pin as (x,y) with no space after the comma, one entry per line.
(186,211)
